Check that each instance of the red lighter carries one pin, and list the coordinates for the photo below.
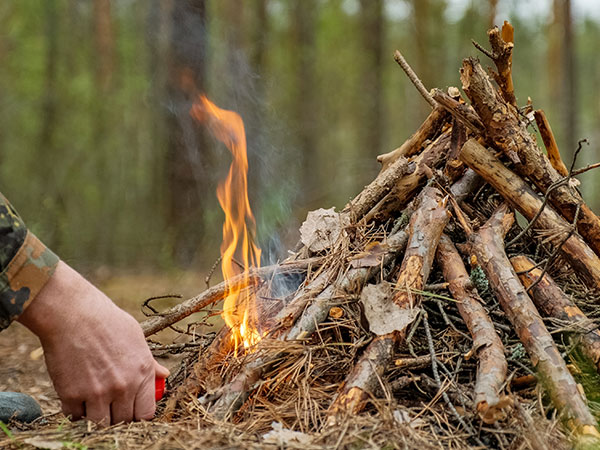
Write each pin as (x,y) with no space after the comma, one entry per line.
(159,388)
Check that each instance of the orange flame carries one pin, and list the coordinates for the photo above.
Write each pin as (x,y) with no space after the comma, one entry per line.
(239,309)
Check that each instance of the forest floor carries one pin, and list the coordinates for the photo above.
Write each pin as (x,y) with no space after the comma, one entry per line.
(22,369)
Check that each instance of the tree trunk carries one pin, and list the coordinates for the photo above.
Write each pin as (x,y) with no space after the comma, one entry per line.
(188,154)
(304,16)
(371,110)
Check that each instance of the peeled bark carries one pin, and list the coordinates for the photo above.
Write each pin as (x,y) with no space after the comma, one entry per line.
(522,197)
(487,249)
(426,227)
(551,301)
(510,135)
(487,346)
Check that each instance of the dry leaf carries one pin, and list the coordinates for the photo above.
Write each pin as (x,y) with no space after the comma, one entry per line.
(321,229)
(383,315)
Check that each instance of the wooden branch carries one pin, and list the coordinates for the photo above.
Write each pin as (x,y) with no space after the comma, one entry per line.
(462,112)
(551,301)
(432,157)
(502,48)
(487,346)
(219,292)
(429,129)
(487,248)
(414,78)
(550,142)
(426,227)
(511,136)
(522,197)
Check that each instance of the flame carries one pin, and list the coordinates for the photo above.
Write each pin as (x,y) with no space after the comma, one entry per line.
(239,308)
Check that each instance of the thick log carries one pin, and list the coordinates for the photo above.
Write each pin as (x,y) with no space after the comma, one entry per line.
(551,301)
(487,249)
(522,197)
(432,157)
(487,346)
(219,292)
(425,228)
(429,129)
(510,135)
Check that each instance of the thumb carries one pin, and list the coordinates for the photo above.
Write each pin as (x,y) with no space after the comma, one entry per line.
(160,371)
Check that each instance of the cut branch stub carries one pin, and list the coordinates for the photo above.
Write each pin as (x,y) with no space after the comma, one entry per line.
(522,197)
(487,346)
(487,248)
(551,301)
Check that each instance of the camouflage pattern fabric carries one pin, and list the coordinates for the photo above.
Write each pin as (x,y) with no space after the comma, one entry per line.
(25,264)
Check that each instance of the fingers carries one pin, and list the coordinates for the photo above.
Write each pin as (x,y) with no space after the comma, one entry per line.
(145,405)
(73,409)
(122,409)
(98,411)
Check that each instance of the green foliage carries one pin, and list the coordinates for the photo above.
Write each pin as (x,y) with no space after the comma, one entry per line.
(479,279)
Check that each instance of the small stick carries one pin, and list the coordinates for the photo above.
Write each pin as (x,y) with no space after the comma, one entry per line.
(550,142)
(219,292)
(414,78)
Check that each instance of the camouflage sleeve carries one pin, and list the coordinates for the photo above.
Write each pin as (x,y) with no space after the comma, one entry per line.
(25,264)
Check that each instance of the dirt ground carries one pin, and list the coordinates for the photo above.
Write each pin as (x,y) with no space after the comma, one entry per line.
(22,367)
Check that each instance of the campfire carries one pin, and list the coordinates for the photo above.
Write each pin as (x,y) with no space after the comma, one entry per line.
(424,303)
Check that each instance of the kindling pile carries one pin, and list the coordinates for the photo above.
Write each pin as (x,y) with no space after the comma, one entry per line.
(423,307)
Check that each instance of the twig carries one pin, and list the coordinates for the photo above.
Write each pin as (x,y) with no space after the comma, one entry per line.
(436,377)
(483,50)
(212,270)
(414,78)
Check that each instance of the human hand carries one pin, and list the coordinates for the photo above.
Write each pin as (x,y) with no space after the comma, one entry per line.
(96,354)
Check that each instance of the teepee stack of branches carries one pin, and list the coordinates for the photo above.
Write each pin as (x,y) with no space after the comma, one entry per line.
(424,286)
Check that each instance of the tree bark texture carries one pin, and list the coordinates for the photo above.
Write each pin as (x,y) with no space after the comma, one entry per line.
(551,301)
(404,190)
(522,197)
(510,135)
(487,346)
(487,248)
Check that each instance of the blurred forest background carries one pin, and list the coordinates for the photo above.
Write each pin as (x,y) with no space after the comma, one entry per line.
(100,156)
